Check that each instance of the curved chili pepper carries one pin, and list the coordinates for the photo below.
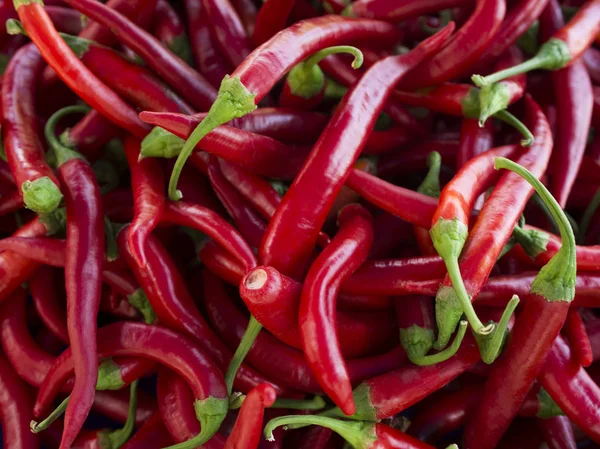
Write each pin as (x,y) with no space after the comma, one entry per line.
(491,231)
(578,338)
(558,432)
(169,67)
(246,432)
(152,435)
(572,388)
(222,263)
(44,294)
(115,405)
(312,197)
(16,409)
(398,11)
(254,78)
(147,183)
(65,20)
(47,249)
(72,71)
(170,30)
(537,327)
(399,163)
(35,181)
(90,134)
(210,62)
(272,17)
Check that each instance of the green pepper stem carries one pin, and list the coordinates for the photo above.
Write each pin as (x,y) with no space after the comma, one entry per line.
(556,280)
(491,345)
(334,90)
(587,216)
(356,432)
(112,252)
(431,184)
(322,54)
(444,355)
(316,403)
(252,331)
(513,121)
(139,300)
(63,154)
(56,413)
(120,436)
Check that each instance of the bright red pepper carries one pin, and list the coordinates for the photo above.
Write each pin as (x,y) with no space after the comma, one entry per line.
(272,17)
(45,298)
(574,330)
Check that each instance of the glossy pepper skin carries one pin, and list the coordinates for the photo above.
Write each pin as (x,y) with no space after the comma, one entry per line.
(316,318)
(399,10)
(271,18)
(574,330)
(311,196)
(152,434)
(24,150)
(44,293)
(72,71)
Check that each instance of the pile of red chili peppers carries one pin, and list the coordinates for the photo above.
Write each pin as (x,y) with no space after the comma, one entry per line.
(300,224)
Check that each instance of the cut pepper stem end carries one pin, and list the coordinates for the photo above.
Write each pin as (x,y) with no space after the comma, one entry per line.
(233,101)
(37,427)
(444,355)
(252,331)
(490,345)
(41,195)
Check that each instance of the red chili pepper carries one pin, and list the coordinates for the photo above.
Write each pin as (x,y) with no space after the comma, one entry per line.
(35,181)
(400,10)
(47,249)
(272,17)
(572,388)
(221,263)
(209,61)
(265,290)
(415,158)
(536,328)
(90,134)
(576,334)
(170,30)
(256,76)
(11,202)
(591,59)
(173,70)
(152,434)
(311,198)
(65,20)
(72,71)
(474,140)
(15,402)
(115,405)
(558,432)
(246,433)
(45,299)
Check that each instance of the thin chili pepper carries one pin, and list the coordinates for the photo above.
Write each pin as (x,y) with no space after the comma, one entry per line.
(174,307)
(11,202)
(34,179)
(152,435)
(537,327)
(400,10)
(562,49)
(115,405)
(254,78)
(173,70)
(170,30)
(117,306)
(274,159)
(558,432)
(47,249)
(111,439)
(221,263)
(265,290)
(90,134)
(246,432)
(272,17)
(72,71)
(311,198)
(45,299)
(474,140)
(147,183)
(16,409)
(65,20)
(210,62)
(491,231)
(572,388)
(579,342)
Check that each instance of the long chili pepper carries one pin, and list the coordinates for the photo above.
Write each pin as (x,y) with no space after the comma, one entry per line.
(399,163)
(474,140)
(221,263)
(571,387)
(274,299)
(311,198)
(561,50)
(15,399)
(66,20)
(254,78)
(246,432)
(170,30)
(531,339)
(272,17)
(115,405)
(147,183)
(558,432)
(152,435)
(174,306)
(209,61)
(83,275)
(34,179)
(576,334)
(72,71)
(400,10)
(169,67)
(491,231)
(90,134)
(45,298)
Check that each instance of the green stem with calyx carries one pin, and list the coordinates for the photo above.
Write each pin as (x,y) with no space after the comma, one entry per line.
(490,345)
(587,216)
(513,121)
(139,300)
(552,55)
(431,184)
(316,403)
(161,143)
(306,79)
(334,90)
(233,101)
(210,412)
(432,359)
(63,154)
(556,279)
(493,98)
(533,241)
(252,331)
(359,434)
(41,195)
(36,427)
(117,438)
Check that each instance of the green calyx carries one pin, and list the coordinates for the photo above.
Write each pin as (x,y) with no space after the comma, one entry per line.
(139,300)
(117,438)
(316,403)
(448,313)
(449,237)
(416,341)
(548,408)
(418,357)
(306,79)
(55,222)
(490,346)
(556,280)
(112,251)
(161,143)
(431,184)
(533,241)
(233,101)
(492,98)
(180,45)
(252,331)
(18,3)
(78,45)
(335,91)
(109,376)
(15,28)
(41,195)
(360,435)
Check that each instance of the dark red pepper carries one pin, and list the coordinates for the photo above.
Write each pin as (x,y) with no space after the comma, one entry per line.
(170,30)
(152,435)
